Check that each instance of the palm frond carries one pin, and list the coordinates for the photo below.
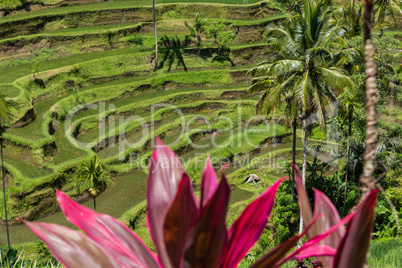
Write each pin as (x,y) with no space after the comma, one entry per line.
(284,41)
(260,84)
(335,79)
(260,70)
(303,92)
(348,55)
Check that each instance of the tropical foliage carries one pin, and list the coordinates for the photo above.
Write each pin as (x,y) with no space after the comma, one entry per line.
(185,236)
(198,29)
(304,70)
(92,176)
(4,113)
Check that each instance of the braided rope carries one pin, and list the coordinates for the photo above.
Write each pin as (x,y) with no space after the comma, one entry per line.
(367,181)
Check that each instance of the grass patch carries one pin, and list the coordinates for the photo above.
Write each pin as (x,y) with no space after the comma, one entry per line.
(385,253)
(66,151)
(29,171)
(115,5)
(10,74)
(34,130)
(10,91)
(260,22)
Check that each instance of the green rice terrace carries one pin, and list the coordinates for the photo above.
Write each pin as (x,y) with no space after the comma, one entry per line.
(80,79)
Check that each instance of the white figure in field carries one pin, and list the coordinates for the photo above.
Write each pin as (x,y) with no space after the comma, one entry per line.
(251,178)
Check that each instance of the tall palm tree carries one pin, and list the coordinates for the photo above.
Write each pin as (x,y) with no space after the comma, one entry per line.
(156,36)
(92,176)
(304,63)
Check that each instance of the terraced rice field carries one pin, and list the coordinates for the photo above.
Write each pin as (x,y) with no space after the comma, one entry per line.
(195,102)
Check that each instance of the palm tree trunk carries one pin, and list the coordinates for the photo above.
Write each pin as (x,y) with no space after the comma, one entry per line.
(305,143)
(367,181)
(293,156)
(156,36)
(94,202)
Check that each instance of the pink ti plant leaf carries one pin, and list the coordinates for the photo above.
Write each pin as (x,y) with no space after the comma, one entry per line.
(352,245)
(315,240)
(71,248)
(209,183)
(179,220)
(116,238)
(189,234)
(274,257)
(315,251)
(304,203)
(208,238)
(249,226)
(330,216)
(352,250)
(165,174)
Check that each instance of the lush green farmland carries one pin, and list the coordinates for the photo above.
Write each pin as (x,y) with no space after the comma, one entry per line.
(95,61)
(208,89)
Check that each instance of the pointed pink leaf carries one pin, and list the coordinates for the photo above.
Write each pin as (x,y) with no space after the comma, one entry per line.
(208,237)
(249,226)
(165,173)
(352,250)
(179,220)
(272,258)
(304,203)
(330,216)
(209,182)
(116,238)
(315,251)
(71,248)
(316,239)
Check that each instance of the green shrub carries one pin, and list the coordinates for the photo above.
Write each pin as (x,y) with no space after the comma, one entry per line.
(135,39)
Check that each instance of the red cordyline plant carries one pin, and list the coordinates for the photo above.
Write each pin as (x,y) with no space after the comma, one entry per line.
(192,232)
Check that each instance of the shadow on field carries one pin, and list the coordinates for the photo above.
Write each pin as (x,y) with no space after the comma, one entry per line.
(173,52)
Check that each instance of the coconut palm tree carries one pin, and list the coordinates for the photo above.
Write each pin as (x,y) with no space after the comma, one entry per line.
(303,62)
(92,176)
